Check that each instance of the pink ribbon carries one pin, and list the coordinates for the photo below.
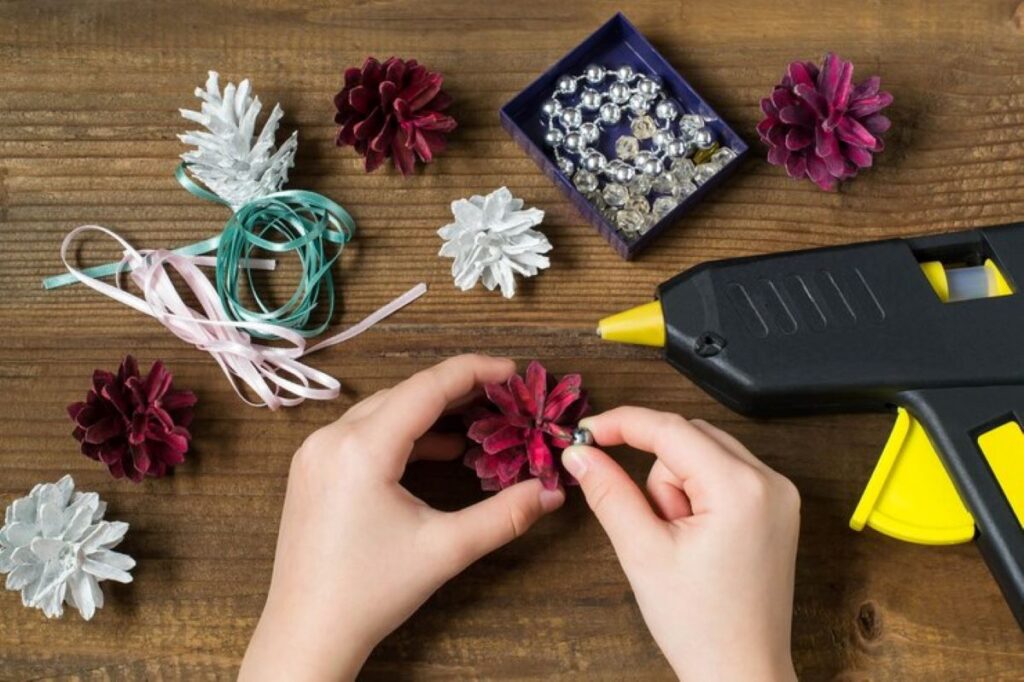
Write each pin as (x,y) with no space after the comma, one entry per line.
(273,373)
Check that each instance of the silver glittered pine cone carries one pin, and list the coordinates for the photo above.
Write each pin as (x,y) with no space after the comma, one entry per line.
(492,240)
(229,159)
(55,548)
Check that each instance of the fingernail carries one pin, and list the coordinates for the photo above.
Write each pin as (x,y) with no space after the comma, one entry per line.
(550,500)
(575,461)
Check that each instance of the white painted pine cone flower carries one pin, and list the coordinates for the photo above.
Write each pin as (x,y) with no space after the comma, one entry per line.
(492,240)
(55,548)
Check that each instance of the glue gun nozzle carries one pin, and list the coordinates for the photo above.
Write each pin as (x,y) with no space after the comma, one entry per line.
(643,326)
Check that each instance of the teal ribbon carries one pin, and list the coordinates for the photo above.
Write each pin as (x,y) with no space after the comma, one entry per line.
(289,221)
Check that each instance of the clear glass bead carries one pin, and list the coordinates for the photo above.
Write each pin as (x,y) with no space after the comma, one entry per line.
(686,189)
(629,220)
(641,185)
(723,156)
(585,181)
(615,194)
(626,147)
(643,127)
(638,203)
(682,169)
(704,172)
(663,206)
(665,183)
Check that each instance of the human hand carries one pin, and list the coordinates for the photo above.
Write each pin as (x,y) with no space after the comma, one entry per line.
(712,563)
(357,553)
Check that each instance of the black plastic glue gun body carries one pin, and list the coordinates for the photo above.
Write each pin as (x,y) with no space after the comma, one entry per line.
(860,327)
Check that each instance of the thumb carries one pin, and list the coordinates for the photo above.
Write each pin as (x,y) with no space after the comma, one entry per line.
(617,502)
(498,520)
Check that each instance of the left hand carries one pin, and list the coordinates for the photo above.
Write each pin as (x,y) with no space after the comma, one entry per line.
(357,553)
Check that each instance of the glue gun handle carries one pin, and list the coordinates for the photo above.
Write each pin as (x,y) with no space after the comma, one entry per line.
(954,419)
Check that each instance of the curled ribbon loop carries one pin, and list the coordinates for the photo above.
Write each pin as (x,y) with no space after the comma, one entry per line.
(274,373)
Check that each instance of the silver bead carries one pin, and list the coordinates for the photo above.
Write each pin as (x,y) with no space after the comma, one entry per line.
(566,165)
(594,161)
(551,107)
(618,93)
(648,87)
(623,173)
(594,73)
(662,139)
(573,142)
(553,137)
(639,104)
(625,73)
(582,437)
(566,85)
(678,148)
(647,162)
(590,132)
(703,138)
(610,113)
(590,100)
(666,110)
(571,118)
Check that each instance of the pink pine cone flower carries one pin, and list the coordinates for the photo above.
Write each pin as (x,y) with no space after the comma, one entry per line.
(818,125)
(393,111)
(137,426)
(534,424)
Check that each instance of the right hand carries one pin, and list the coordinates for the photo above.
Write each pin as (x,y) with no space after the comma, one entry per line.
(711,558)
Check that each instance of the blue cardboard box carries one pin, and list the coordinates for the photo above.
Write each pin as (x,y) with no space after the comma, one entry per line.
(616,43)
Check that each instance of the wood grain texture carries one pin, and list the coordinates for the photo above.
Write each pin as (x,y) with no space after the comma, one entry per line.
(89,93)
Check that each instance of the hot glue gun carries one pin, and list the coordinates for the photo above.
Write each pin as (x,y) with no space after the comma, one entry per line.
(932,327)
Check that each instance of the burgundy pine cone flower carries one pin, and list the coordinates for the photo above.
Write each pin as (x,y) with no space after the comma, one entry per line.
(819,125)
(137,426)
(534,424)
(393,111)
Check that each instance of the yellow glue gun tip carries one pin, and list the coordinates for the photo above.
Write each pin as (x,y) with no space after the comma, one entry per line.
(643,326)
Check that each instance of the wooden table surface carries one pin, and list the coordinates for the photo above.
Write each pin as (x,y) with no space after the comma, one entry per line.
(89,98)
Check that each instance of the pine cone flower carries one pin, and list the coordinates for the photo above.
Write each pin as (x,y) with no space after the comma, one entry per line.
(535,422)
(819,125)
(137,426)
(393,111)
(56,548)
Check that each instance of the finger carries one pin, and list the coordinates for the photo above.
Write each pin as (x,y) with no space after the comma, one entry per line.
(470,533)
(437,447)
(666,491)
(617,502)
(365,406)
(729,442)
(686,450)
(412,407)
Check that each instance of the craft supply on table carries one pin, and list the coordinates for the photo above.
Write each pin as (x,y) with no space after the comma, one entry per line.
(867,327)
(56,548)
(393,110)
(492,240)
(820,126)
(135,425)
(536,419)
(623,135)
(264,218)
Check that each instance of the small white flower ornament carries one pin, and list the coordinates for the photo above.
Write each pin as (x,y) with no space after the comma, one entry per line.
(55,548)
(492,240)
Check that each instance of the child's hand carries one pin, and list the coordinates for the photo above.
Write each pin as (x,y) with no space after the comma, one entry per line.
(712,563)
(357,553)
